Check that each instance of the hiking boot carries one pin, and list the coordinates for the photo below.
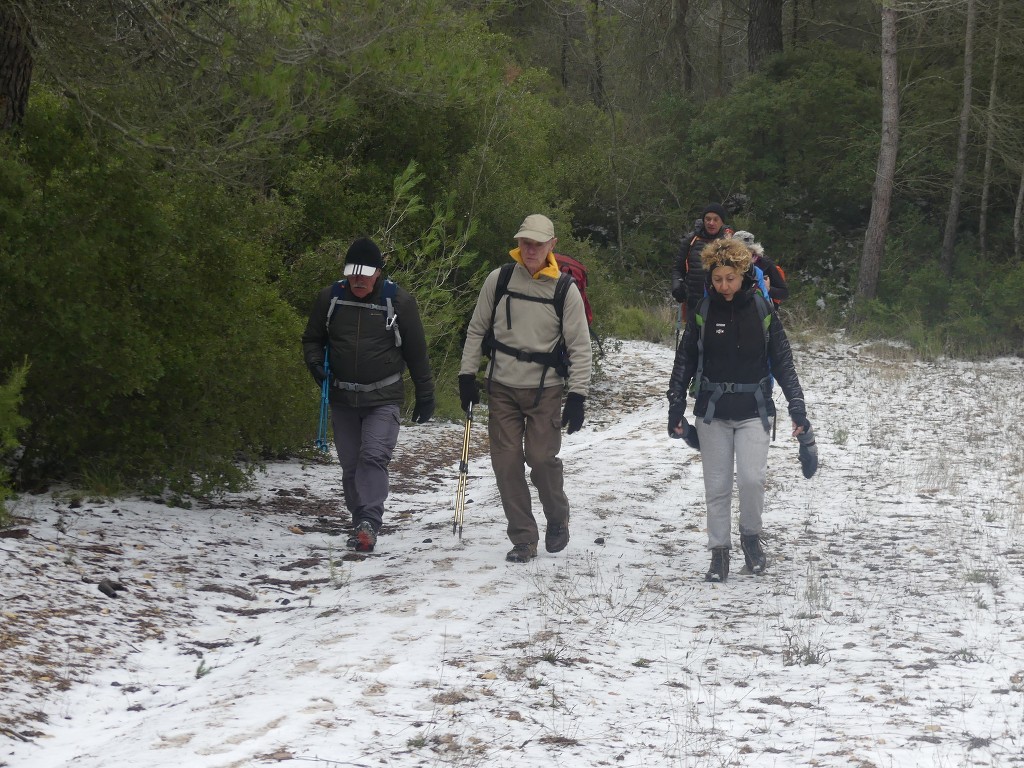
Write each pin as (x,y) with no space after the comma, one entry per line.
(719,570)
(556,537)
(522,553)
(365,536)
(753,554)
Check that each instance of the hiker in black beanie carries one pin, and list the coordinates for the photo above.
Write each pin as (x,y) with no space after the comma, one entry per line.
(687,273)
(363,333)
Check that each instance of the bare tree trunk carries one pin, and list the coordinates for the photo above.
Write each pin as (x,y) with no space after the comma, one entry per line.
(563,60)
(986,183)
(720,52)
(960,168)
(796,22)
(1018,214)
(678,36)
(885,171)
(764,31)
(597,81)
(15,67)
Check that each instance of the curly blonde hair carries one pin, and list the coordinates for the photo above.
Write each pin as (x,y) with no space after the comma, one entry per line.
(726,253)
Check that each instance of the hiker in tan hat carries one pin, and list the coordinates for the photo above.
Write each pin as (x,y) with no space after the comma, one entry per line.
(530,320)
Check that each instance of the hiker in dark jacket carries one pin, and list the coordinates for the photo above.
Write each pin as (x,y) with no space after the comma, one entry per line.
(777,288)
(368,348)
(733,404)
(687,272)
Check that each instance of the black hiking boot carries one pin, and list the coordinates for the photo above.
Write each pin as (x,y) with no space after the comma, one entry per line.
(719,570)
(556,537)
(365,536)
(522,553)
(753,554)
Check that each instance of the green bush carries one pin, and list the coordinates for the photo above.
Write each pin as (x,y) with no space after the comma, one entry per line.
(160,354)
(10,422)
(644,324)
(969,314)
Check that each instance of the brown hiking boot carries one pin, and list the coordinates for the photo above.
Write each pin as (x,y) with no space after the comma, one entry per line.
(522,553)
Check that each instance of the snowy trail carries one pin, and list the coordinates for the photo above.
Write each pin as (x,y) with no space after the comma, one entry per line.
(888,631)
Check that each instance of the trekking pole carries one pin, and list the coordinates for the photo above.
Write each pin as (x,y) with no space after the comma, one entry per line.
(679,324)
(325,388)
(460,493)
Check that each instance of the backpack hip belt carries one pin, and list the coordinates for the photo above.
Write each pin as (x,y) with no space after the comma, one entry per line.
(719,388)
(353,387)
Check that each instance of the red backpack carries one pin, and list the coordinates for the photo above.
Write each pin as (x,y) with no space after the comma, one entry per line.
(577,272)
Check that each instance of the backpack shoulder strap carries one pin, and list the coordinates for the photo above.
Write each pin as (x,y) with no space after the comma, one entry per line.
(765,309)
(504,278)
(700,317)
(337,295)
(562,288)
(387,294)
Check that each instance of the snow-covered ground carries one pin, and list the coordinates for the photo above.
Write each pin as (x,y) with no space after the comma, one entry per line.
(888,630)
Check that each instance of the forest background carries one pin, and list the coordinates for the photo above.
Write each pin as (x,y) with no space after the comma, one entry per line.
(178,179)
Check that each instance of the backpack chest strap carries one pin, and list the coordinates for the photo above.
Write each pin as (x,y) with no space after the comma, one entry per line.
(391,324)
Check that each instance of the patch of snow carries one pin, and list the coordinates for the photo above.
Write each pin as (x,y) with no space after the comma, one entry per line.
(888,630)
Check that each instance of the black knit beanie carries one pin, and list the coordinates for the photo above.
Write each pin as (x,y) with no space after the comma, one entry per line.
(715,208)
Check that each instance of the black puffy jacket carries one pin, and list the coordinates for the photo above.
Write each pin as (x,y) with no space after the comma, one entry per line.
(735,351)
(687,271)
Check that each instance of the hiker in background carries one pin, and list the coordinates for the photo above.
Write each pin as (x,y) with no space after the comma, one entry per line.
(529,318)
(773,274)
(731,357)
(364,331)
(687,272)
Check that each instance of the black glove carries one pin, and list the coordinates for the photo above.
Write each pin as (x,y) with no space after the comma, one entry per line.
(690,436)
(808,450)
(423,409)
(676,409)
(572,414)
(469,390)
(319,374)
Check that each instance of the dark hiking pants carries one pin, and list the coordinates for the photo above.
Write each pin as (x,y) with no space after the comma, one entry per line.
(365,439)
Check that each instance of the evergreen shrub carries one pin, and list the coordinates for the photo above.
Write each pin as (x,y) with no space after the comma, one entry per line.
(159,353)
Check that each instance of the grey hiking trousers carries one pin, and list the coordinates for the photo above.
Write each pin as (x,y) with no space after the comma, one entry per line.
(365,439)
(726,446)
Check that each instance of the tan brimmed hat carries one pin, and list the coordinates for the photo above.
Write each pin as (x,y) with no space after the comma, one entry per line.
(536,227)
